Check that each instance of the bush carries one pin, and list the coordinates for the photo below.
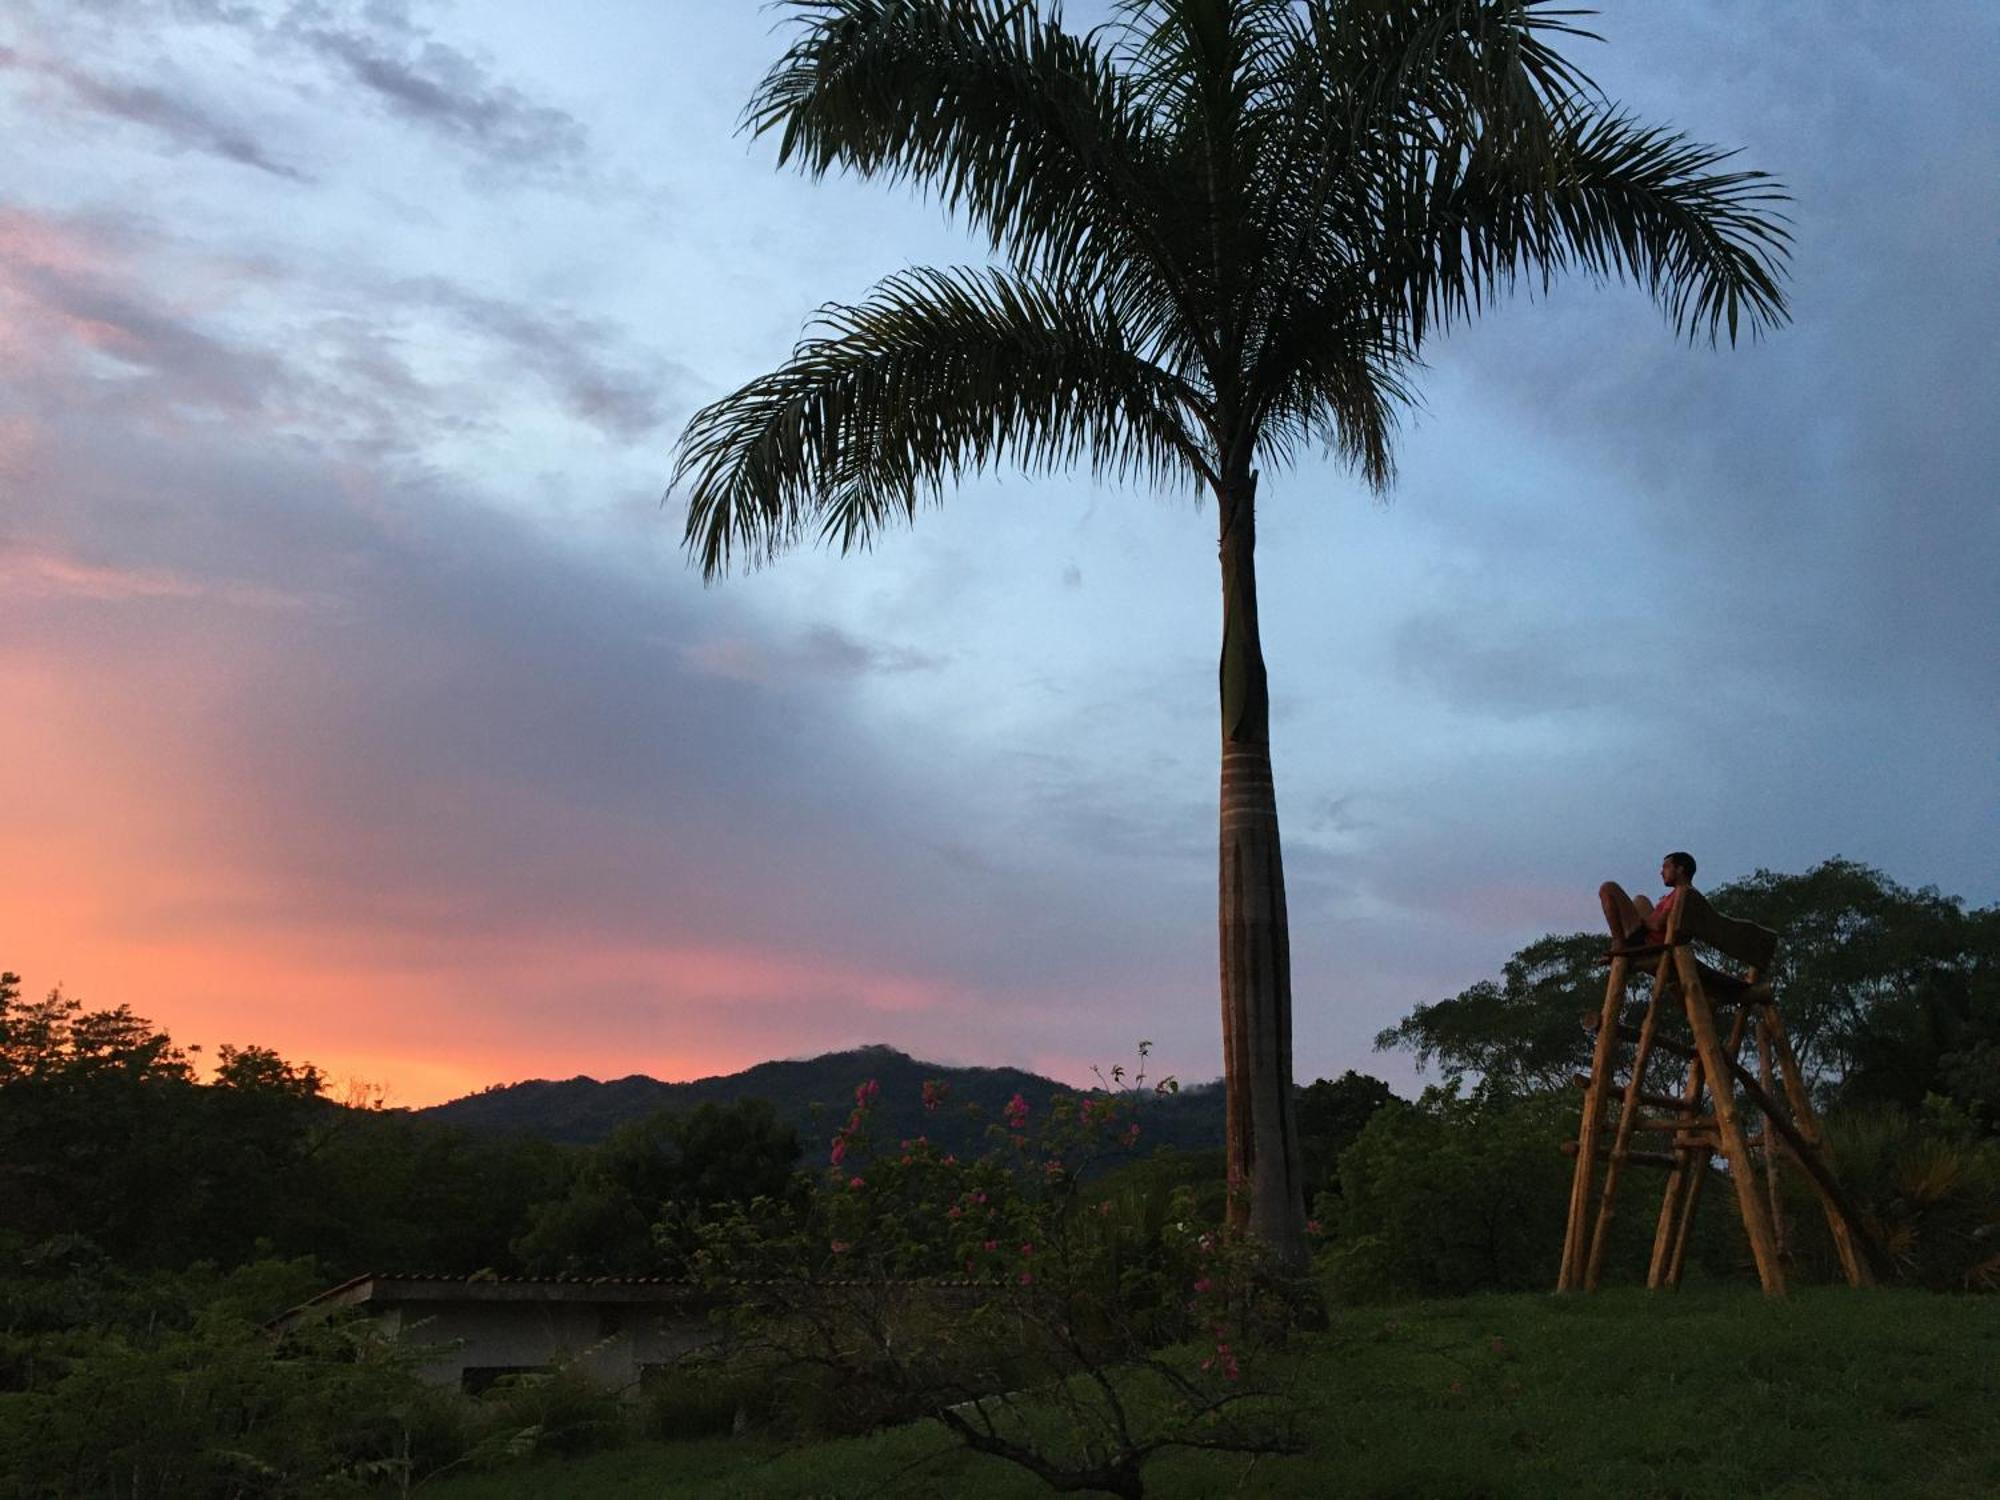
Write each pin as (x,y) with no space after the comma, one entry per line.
(1929,1184)
(913,1283)
(1451,1194)
(559,1411)
(203,1402)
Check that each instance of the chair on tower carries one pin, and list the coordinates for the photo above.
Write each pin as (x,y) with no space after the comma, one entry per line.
(1706,1112)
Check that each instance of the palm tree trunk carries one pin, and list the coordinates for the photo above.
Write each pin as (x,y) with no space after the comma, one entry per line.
(1263,1144)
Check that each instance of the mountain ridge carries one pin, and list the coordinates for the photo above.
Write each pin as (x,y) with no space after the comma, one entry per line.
(813,1095)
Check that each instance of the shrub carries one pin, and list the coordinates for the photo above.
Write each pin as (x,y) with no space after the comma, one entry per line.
(1451,1194)
(1003,1296)
(1929,1183)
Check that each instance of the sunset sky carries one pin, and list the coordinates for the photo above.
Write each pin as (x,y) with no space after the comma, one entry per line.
(361,704)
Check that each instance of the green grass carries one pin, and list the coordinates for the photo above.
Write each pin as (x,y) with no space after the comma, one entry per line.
(1828,1395)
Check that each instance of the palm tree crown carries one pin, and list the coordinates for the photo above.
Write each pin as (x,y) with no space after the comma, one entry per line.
(1226,230)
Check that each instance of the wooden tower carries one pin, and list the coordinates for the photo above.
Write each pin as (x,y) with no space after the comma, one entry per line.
(1706,1114)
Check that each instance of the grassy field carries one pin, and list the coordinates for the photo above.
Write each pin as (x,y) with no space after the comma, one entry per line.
(1830,1394)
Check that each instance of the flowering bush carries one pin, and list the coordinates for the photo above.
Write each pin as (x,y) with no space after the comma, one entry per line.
(934,1285)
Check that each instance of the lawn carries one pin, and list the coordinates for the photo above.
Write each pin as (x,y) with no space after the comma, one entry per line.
(1719,1393)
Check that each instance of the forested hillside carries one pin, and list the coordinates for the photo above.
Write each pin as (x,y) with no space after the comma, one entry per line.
(811,1095)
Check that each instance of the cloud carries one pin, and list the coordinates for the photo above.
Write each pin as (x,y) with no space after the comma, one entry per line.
(1509,672)
(178,118)
(175,361)
(376,54)
(823,653)
(153,324)
(441,89)
(577,357)
(41,575)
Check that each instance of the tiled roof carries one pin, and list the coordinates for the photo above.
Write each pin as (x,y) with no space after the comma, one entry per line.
(432,1286)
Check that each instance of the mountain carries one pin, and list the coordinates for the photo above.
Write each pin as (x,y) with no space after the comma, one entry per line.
(814,1096)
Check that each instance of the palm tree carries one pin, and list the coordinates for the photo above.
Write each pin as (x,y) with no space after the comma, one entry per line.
(1225,230)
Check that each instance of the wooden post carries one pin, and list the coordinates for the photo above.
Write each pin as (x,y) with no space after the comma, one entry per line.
(1742,1170)
(1685,1181)
(1570,1277)
(1770,1138)
(1683,1234)
(1677,1252)
(1628,1115)
(1806,1122)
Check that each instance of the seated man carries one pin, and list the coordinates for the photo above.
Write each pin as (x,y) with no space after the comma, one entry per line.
(1634,919)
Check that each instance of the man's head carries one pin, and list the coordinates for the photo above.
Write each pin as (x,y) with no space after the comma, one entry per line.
(1677,868)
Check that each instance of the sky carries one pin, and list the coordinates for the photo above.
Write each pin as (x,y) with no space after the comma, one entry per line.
(361,703)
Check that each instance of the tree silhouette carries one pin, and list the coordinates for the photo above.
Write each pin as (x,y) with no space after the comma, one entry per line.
(1227,229)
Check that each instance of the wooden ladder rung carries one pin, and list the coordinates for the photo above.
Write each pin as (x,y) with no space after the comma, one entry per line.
(1632,1158)
(1664,1044)
(1617,1091)
(1678,1125)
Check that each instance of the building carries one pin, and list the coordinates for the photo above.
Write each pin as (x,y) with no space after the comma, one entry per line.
(474,1330)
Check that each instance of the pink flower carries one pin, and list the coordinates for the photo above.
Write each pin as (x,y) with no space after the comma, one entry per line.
(1203,1287)
(1017,1112)
(1026,1278)
(935,1093)
(841,1247)
(865,1094)
(1053,1168)
(1313,1226)
(1132,1134)
(839,1150)
(951,1161)
(1028,1249)
(855,1184)
(954,1212)
(990,1246)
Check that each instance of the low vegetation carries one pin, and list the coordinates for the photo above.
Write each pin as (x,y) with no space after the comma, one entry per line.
(1712,1391)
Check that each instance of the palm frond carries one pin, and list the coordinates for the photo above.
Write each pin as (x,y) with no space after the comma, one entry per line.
(1614,198)
(1025,127)
(938,374)
(1333,375)
(1373,91)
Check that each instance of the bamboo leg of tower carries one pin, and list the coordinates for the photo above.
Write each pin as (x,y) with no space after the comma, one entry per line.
(1703,1157)
(1570,1277)
(1683,1196)
(1677,1252)
(1770,1140)
(1628,1116)
(1806,1123)
(1742,1170)
(1683,1185)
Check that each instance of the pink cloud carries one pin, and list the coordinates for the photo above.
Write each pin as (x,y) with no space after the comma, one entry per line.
(42,575)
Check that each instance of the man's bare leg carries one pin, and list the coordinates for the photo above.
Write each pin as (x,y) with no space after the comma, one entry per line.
(1627,916)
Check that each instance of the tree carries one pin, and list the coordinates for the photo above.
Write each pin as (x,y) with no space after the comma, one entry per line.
(1228,228)
(1522,1032)
(669,1166)
(1332,1114)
